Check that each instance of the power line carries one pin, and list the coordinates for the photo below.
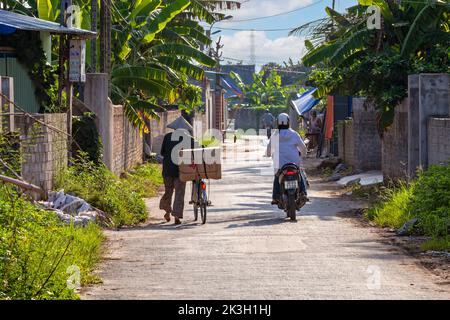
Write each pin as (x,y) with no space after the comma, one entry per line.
(265,30)
(276,15)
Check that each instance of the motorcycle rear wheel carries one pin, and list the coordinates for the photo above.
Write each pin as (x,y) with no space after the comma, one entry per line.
(292,208)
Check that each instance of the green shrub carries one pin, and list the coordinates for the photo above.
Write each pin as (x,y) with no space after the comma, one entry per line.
(427,199)
(431,201)
(87,137)
(145,179)
(105,191)
(37,251)
(394,209)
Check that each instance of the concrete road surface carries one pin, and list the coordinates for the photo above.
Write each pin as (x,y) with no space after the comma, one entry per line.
(247,250)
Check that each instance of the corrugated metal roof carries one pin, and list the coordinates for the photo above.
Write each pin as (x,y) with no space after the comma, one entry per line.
(10,20)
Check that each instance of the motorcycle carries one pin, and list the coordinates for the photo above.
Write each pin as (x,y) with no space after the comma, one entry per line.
(293,184)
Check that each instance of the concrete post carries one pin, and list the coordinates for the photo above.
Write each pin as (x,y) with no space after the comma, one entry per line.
(96,98)
(413,124)
(434,102)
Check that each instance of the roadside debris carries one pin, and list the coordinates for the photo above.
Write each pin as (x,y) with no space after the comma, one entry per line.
(71,209)
(365,179)
(407,228)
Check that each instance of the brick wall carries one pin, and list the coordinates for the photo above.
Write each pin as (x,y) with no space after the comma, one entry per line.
(438,140)
(127,143)
(158,129)
(44,150)
(359,141)
(395,145)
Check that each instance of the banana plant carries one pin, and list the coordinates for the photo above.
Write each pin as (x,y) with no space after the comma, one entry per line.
(351,59)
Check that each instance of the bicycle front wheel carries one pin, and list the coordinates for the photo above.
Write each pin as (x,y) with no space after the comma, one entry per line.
(203,212)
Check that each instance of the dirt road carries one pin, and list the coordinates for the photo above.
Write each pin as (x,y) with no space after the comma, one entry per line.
(247,250)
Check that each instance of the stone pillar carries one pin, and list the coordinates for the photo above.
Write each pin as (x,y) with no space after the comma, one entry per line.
(293,115)
(96,98)
(413,124)
(434,102)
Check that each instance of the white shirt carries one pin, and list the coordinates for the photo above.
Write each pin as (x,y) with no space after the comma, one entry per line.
(284,148)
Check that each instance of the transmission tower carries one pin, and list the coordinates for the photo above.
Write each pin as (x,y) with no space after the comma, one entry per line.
(252,47)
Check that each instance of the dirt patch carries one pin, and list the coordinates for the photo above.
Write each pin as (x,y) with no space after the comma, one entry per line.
(436,262)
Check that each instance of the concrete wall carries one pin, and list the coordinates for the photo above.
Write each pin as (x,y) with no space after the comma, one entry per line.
(158,129)
(434,102)
(96,99)
(359,140)
(128,143)
(438,140)
(395,145)
(44,150)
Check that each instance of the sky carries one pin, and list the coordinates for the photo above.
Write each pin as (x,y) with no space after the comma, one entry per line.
(270,46)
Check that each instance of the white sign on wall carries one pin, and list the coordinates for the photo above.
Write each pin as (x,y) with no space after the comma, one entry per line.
(77,61)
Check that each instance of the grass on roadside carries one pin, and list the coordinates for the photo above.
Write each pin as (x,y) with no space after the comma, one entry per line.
(39,255)
(393,209)
(427,199)
(121,198)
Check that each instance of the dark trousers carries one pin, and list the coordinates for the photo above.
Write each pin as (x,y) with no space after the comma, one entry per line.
(276,193)
(172,184)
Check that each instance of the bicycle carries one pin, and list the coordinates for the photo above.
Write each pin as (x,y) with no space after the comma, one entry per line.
(200,199)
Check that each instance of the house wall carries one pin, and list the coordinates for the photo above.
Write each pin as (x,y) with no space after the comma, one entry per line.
(128,148)
(438,140)
(44,149)
(158,129)
(24,89)
(395,145)
(359,142)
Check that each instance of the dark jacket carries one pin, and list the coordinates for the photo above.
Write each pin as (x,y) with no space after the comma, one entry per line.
(170,169)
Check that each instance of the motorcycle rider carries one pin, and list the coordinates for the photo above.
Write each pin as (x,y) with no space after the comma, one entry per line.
(285,146)
(268,122)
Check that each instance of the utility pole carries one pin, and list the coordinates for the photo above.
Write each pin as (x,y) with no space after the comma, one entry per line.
(94,14)
(105,39)
(252,47)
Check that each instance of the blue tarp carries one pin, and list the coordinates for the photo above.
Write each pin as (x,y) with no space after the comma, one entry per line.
(232,87)
(306,102)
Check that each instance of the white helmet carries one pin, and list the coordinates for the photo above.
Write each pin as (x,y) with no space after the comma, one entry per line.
(283,119)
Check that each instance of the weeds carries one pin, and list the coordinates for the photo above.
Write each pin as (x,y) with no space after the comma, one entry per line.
(120,198)
(427,199)
(36,250)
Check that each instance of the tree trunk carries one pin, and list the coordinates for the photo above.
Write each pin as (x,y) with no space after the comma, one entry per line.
(105,37)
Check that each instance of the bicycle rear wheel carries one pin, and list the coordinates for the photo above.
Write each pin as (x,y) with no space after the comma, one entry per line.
(195,212)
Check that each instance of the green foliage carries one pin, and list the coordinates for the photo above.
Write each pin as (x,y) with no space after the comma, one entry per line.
(394,209)
(431,202)
(86,136)
(427,198)
(353,60)
(10,152)
(145,179)
(36,251)
(120,198)
(266,89)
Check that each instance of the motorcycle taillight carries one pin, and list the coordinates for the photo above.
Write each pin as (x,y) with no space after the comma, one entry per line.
(290,172)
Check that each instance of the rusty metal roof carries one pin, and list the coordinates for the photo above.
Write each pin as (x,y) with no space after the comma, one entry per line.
(10,22)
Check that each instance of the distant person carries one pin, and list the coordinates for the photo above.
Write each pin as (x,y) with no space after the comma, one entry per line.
(171,173)
(315,128)
(268,122)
